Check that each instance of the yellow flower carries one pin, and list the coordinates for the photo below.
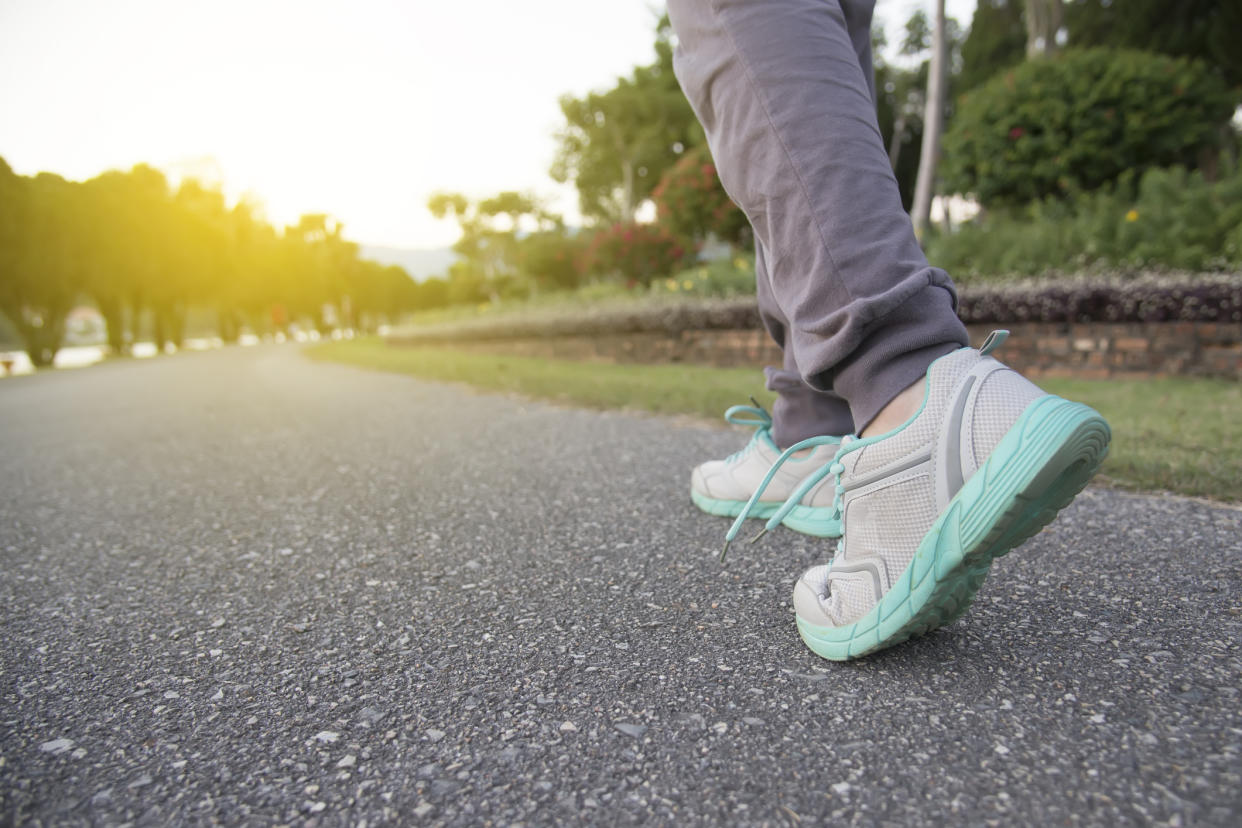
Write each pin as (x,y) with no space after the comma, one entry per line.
(687,285)
(741,264)
(1132,215)
(671,284)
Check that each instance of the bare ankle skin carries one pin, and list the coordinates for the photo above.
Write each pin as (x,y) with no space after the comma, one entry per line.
(901,408)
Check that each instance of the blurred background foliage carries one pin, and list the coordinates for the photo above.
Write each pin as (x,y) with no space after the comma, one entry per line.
(145,254)
(1103,139)
(1165,219)
(1055,127)
(1082,133)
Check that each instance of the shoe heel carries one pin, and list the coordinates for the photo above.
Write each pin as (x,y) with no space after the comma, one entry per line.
(1037,469)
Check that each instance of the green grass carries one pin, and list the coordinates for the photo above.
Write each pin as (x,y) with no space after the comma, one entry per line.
(1179,434)
(663,389)
(1182,435)
(594,296)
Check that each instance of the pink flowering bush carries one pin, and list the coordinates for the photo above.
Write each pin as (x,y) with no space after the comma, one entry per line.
(690,202)
(636,253)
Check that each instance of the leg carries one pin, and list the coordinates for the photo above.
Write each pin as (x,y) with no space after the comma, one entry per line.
(789,115)
(927,502)
(722,487)
(800,410)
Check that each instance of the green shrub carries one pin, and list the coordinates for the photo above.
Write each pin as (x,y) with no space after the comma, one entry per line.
(1079,120)
(638,253)
(551,259)
(1171,219)
(723,278)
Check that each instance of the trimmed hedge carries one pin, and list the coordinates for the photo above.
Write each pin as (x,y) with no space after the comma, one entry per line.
(1145,298)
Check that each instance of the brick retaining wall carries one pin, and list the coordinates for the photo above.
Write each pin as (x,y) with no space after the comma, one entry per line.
(1094,350)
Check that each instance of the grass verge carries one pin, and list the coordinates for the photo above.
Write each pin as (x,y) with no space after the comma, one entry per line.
(1178,434)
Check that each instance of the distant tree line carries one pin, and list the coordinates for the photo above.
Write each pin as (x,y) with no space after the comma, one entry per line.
(139,249)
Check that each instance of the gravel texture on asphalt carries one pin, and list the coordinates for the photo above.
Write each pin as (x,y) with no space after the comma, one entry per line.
(241,587)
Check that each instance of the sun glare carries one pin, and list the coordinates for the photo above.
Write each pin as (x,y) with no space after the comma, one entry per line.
(361,110)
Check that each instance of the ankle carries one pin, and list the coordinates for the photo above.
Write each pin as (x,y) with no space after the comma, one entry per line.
(900,409)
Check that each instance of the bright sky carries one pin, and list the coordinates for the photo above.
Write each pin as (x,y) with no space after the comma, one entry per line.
(360,109)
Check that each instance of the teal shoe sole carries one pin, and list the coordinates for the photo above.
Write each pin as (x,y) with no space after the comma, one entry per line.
(820,523)
(1036,470)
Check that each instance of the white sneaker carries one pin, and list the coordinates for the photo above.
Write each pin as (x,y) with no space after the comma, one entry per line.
(985,464)
(723,487)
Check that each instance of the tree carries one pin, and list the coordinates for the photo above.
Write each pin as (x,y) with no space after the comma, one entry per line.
(322,261)
(489,241)
(1202,29)
(125,233)
(1057,126)
(44,259)
(191,257)
(933,124)
(135,248)
(1044,19)
(901,94)
(14,209)
(997,41)
(616,145)
(429,293)
(379,293)
(249,282)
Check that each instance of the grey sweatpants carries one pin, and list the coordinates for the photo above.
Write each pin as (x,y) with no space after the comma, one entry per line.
(784,90)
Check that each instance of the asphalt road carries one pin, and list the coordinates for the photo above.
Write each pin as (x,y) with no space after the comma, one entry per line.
(241,587)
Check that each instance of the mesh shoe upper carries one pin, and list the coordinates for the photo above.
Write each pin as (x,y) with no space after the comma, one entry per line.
(893,488)
(737,477)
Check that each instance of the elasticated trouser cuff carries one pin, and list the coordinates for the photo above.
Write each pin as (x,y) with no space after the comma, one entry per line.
(896,352)
(801,411)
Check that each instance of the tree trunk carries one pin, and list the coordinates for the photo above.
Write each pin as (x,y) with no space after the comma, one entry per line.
(1043,21)
(933,125)
(227,325)
(135,321)
(894,146)
(176,326)
(113,312)
(42,341)
(628,207)
(160,314)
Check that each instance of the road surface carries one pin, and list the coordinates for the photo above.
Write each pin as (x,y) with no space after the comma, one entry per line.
(242,587)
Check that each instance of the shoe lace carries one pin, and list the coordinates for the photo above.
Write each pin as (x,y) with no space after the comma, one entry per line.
(755,416)
(835,468)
